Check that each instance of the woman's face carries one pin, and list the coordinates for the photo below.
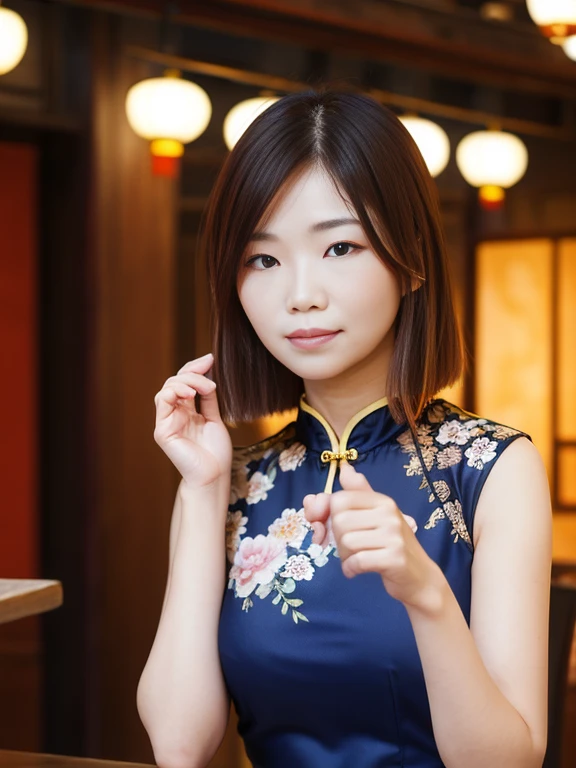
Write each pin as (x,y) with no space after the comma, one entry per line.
(313,267)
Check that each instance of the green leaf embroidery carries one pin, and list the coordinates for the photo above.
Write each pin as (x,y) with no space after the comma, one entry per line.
(284,608)
(277,599)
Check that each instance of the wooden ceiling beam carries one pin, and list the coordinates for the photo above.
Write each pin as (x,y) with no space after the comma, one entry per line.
(383,32)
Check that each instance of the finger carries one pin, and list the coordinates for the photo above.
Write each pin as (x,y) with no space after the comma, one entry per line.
(208,405)
(200,364)
(360,499)
(316,506)
(364,561)
(195,380)
(319,533)
(351,479)
(167,399)
(357,520)
(355,541)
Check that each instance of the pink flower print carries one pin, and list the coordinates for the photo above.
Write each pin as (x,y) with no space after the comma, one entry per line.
(258,485)
(291,458)
(291,528)
(453,432)
(298,567)
(480,452)
(256,562)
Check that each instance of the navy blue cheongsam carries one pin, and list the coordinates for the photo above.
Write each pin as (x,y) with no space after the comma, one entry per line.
(324,671)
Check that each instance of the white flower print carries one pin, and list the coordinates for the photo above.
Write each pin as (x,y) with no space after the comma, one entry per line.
(258,485)
(235,526)
(481,452)
(453,431)
(291,527)
(256,562)
(319,556)
(292,457)
(238,482)
(298,567)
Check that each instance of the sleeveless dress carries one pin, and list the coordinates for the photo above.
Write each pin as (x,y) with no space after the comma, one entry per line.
(324,671)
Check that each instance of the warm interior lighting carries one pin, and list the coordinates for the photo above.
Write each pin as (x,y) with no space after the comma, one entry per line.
(170,112)
(555,18)
(241,115)
(569,47)
(432,141)
(492,160)
(513,332)
(13,39)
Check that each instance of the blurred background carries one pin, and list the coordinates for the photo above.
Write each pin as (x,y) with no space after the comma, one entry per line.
(102,296)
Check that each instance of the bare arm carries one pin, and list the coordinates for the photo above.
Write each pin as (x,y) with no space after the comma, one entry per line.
(182,699)
(488,684)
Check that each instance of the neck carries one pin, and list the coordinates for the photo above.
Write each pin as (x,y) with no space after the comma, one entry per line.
(342,397)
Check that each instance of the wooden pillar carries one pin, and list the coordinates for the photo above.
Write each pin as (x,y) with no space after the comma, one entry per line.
(131,353)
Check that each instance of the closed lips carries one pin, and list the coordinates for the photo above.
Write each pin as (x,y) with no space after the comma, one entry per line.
(311,332)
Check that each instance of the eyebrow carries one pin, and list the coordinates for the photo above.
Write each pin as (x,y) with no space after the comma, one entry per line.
(320,226)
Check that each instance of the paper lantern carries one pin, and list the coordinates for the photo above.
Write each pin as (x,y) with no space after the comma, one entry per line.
(555,18)
(569,46)
(432,141)
(169,112)
(13,39)
(241,115)
(492,160)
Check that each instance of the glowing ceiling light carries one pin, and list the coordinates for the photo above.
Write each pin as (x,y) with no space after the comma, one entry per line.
(492,160)
(13,39)
(432,141)
(556,18)
(241,115)
(569,47)
(169,112)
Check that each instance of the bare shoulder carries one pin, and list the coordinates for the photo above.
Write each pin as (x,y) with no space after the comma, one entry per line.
(518,483)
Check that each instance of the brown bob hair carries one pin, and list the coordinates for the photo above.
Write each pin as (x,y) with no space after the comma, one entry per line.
(375,163)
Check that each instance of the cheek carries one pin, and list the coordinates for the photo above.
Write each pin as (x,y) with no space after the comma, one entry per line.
(373,293)
(257,305)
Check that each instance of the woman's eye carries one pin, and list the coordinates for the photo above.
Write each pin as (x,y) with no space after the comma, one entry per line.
(263,256)
(350,246)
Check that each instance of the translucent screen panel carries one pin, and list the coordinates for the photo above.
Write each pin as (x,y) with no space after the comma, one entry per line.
(513,376)
(566,378)
(567,476)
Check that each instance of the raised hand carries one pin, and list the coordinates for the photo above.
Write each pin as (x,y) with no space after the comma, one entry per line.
(196,441)
(372,534)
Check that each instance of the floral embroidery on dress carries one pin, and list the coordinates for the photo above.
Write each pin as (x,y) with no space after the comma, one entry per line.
(446,434)
(275,562)
(263,564)
(292,457)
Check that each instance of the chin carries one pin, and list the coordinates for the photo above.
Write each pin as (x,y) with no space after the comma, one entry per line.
(317,370)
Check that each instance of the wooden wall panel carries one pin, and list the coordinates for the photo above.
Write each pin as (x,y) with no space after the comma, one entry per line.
(131,354)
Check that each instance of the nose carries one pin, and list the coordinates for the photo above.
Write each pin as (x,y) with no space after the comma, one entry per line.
(305,289)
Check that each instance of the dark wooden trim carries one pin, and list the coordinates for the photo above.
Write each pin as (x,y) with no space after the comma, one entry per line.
(64,450)
(41,120)
(380,32)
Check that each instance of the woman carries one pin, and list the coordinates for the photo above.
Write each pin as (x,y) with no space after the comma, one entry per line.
(369,585)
